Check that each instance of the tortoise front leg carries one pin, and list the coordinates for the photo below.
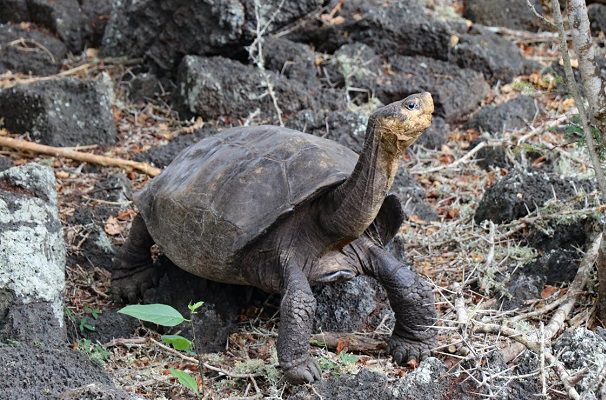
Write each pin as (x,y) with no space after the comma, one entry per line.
(296,318)
(133,271)
(411,299)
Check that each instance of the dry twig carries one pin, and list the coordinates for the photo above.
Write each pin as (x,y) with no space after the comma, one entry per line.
(27,146)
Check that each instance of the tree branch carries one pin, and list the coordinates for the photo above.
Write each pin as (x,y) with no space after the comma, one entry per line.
(27,146)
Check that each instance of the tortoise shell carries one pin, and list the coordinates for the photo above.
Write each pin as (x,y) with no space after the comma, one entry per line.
(225,191)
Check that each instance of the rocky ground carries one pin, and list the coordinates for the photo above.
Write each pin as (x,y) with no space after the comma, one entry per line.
(499,197)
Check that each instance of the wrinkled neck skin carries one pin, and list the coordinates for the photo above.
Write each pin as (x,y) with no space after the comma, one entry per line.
(355,203)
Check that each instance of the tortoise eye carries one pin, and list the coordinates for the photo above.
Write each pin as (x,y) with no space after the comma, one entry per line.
(411,105)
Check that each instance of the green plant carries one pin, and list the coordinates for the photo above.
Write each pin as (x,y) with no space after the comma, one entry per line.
(574,132)
(344,363)
(83,322)
(165,315)
(95,351)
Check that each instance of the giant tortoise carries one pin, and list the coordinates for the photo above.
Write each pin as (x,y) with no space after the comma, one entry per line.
(282,210)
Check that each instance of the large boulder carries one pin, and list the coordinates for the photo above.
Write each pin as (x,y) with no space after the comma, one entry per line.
(35,362)
(293,60)
(165,31)
(521,192)
(32,256)
(62,17)
(456,91)
(13,11)
(511,115)
(29,51)
(216,87)
(513,14)
(494,56)
(61,112)
(358,305)
(390,27)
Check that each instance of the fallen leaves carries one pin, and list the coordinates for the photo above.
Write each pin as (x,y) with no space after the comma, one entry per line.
(113,227)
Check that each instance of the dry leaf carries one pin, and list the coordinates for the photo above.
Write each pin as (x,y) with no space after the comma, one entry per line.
(112,226)
(548,290)
(126,214)
(341,345)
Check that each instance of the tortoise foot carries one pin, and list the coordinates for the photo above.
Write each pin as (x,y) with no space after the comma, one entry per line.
(306,372)
(129,285)
(405,349)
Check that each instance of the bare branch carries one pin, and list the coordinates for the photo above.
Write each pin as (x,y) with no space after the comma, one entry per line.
(24,145)
(539,16)
(579,101)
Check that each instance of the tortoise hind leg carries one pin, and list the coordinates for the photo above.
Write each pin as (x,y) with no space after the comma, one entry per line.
(133,272)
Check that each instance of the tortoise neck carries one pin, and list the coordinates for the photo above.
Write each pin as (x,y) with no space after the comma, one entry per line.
(356,202)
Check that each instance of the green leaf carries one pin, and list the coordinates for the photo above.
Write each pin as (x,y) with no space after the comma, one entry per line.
(178,342)
(85,325)
(160,314)
(185,379)
(347,358)
(195,306)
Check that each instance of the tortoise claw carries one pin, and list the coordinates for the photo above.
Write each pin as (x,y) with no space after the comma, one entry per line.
(405,350)
(306,372)
(129,285)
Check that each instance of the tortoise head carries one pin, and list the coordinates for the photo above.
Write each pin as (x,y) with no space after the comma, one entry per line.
(402,122)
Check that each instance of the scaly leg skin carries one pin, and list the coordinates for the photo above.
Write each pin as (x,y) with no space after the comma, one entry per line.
(412,301)
(296,313)
(133,272)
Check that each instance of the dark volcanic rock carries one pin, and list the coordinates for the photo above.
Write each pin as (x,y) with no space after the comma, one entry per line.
(96,391)
(108,325)
(497,58)
(456,91)
(216,86)
(557,266)
(391,27)
(166,31)
(42,372)
(143,87)
(13,11)
(5,163)
(62,112)
(62,17)
(512,14)
(427,382)
(355,65)
(412,196)
(95,248)
(435,136)
(580,349)
(509,116)
(29,51)
(520,192)
(161,156)
(358,305)
(216,319)
(597,18)
(345,127)
(293,60)
(491,156)
(95,14)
